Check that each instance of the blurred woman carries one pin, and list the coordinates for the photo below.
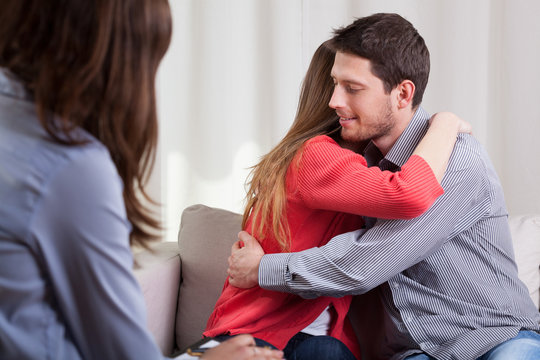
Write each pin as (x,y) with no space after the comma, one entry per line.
(78,134)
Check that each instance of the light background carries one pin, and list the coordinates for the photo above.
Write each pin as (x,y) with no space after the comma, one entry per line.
(229,84)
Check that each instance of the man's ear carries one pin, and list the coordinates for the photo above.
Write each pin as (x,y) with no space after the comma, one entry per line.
(405,93)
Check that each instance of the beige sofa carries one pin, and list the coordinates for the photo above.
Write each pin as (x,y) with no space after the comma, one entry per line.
(181,282)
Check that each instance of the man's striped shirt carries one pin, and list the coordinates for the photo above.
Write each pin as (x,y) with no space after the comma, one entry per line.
(450,282)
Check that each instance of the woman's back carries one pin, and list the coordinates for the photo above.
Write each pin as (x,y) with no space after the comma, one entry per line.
(63,227)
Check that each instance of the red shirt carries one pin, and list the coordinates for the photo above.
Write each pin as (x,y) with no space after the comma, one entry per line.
(326,196)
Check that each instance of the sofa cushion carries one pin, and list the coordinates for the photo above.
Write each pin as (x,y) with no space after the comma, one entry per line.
(205,239)
(525,231)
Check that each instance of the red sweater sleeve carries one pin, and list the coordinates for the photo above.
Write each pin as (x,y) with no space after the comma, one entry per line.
(333,178)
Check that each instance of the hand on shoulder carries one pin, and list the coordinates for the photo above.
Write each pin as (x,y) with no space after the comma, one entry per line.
(451,119)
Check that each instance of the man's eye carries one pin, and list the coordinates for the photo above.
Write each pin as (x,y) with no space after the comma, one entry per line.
(351,90)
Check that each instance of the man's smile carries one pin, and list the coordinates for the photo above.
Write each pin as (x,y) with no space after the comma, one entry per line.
(344,120)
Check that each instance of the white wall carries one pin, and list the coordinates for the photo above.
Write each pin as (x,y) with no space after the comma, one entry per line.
(228,87)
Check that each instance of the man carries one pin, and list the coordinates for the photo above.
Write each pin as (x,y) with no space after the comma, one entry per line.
(449,287)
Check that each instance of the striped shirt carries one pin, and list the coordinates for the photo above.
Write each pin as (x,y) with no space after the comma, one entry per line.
(450,285)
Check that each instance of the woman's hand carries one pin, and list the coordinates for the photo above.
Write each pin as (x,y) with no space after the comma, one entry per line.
(437,145)
(462,125)
(241,347)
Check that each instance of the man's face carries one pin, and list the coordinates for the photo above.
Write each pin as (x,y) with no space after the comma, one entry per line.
(364,109)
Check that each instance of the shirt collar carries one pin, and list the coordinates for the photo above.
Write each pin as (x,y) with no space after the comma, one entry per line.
(11,86)
(402,150)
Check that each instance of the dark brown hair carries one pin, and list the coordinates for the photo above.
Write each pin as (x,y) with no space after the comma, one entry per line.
(395,48)
(266,197)
(92,64)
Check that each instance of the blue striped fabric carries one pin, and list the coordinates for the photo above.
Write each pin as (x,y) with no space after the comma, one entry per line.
(447,279)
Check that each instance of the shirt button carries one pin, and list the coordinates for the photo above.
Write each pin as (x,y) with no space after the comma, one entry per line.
(408,319)
(396,285)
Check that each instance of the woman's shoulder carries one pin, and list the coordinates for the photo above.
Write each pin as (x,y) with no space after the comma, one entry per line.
(88,162)
(34,164)
(321,139)
(324,145)
(320,144)
(323,151)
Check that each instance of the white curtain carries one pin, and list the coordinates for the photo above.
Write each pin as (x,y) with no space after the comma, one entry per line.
(228,87)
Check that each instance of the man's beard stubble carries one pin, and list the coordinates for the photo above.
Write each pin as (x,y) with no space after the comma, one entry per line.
(383,126)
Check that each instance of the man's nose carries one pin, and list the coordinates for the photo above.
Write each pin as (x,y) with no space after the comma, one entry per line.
(336,101)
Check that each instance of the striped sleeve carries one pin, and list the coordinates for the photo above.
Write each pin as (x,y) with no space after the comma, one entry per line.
(333,178)
(356,262)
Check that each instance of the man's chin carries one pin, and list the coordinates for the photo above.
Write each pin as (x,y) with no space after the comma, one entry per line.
(352,138)
(356,144)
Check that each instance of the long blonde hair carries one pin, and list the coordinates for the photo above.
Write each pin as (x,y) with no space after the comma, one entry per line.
(266,197)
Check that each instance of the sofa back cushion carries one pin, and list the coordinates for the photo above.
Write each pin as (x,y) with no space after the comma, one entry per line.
(525,231)
(205,239)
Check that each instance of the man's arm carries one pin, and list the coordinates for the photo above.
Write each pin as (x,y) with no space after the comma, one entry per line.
(358,261)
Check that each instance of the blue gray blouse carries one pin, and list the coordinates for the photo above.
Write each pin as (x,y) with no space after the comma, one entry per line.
(66,285)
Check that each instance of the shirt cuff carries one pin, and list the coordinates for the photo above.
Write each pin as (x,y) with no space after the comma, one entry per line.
(273,270)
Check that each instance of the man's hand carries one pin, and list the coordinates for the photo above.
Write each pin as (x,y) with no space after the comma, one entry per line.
(246,255)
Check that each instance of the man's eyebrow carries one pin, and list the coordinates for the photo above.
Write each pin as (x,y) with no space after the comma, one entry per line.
(355,82)
(350,81)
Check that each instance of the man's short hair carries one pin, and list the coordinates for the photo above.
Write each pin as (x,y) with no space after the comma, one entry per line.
(394,47)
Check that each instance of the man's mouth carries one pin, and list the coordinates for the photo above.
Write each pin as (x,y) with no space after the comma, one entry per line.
(343,120)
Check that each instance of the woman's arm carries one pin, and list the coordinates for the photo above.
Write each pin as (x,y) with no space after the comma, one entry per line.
(438,143)
(333,178)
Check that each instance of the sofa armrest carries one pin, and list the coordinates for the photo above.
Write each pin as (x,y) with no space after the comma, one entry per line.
(158,273)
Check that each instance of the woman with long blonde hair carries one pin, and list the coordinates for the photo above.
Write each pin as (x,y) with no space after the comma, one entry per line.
(312,186)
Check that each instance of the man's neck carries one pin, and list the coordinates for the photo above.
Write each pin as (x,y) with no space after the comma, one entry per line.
(385,143)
